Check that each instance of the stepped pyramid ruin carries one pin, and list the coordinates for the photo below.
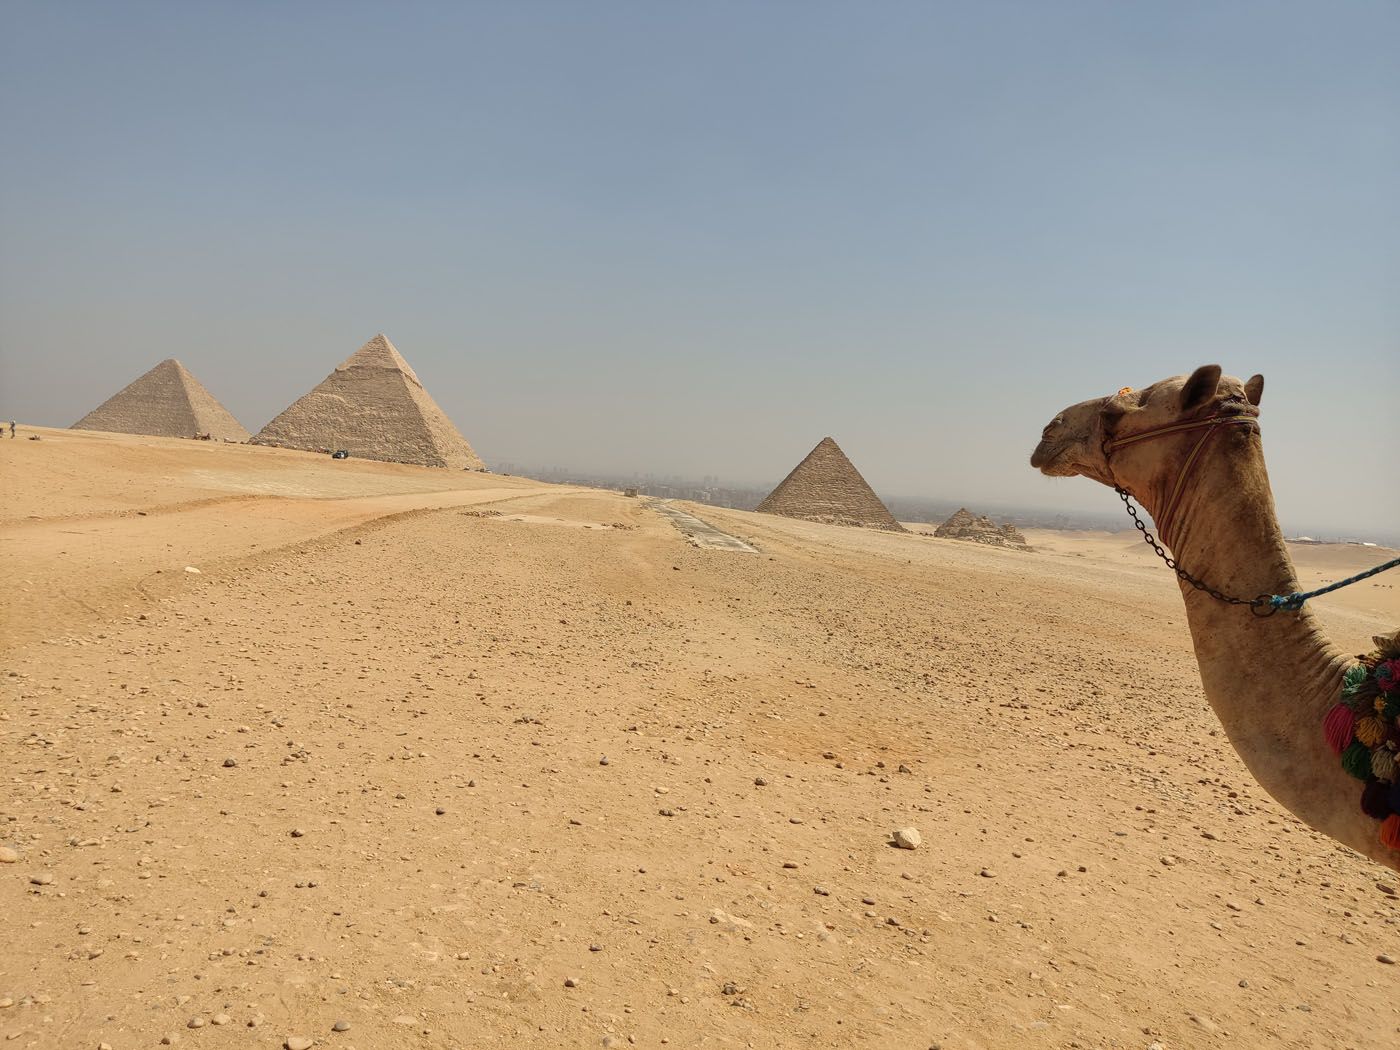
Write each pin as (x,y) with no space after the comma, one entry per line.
(374,407)
(964,525)
(165,402)
(826,487)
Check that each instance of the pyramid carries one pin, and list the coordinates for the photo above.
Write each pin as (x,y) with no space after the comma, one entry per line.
(964,525)
(374,407)
(826,487)
(165,402)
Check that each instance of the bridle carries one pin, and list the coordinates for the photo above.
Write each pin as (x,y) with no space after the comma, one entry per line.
(1262,605)
(1211,424)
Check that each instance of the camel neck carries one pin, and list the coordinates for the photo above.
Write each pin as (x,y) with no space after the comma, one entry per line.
(1270,680)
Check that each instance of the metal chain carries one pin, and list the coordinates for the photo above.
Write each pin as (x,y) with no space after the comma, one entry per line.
(1260,606)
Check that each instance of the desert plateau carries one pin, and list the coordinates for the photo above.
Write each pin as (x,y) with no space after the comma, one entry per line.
(361,755)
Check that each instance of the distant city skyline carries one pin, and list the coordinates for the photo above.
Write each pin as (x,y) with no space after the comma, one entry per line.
(695,239)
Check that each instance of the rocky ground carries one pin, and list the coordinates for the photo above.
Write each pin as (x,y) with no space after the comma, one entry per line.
(392,770)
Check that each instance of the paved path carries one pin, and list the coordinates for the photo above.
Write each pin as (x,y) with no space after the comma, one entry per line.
(701,533)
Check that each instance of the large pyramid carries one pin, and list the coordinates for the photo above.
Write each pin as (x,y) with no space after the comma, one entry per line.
(166,402)
(374,407)
(826,487)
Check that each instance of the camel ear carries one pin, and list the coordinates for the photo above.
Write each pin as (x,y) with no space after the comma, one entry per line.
(1200,388)
(1254,389)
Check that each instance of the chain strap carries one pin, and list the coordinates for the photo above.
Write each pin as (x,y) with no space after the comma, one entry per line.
(1261,606)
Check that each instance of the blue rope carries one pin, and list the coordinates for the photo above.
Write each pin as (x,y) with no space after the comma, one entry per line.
(1294,602)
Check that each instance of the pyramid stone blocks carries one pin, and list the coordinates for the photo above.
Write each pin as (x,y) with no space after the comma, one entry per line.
(374,407)
(165,402)
(964,525)
(826,487)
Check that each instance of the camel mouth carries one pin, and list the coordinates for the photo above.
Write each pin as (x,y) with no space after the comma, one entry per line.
(1047,459)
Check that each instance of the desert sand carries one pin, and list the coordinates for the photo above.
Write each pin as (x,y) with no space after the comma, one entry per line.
(461,760)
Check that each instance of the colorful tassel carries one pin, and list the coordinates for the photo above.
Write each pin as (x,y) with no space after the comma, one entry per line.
(1370,731)
(1390,831)
(1375,800)
(1383,765)
(1364,730)
(1337,728)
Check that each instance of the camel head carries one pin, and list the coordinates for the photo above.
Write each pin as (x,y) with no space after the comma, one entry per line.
(1073,442)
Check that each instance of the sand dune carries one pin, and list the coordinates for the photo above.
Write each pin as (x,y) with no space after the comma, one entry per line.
(353,769)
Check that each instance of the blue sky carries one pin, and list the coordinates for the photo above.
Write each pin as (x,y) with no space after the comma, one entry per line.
(695,238)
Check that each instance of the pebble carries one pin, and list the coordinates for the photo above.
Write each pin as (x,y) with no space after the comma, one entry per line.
(195,1022)
(229,763)
(570,982)
(603,761)
(298,1042)
(1384,958)
(987,873)
(341,1026)
(8,856)
(297,833)
(220,1019)
(42,879)
(908,838)
(759,782)
(440,811)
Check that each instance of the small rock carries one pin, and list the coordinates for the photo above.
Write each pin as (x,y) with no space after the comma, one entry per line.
(298,1042)
(908,838)
(42,879)
(195,1022)
(192,569)
(297,833)
(220,1019)
(603,761)
(759,782)
(987,873)
(341,1026)
(1384,958)
(904,769)
(229,763)
(439,811)
(8,856)
(570,982)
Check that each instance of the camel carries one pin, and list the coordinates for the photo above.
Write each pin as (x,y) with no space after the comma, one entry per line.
(1272,680)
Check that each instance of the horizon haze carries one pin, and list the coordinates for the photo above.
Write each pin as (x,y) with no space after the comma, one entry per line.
(638,238)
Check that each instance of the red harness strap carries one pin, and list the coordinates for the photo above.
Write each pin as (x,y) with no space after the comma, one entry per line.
(1211,424)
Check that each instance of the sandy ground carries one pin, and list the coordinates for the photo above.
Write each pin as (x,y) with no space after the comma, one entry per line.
(419,752)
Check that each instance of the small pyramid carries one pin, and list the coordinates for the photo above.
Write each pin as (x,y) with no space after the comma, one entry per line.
(165,402)
(826,487)
(374,407)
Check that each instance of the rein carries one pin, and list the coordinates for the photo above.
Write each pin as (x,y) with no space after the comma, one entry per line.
(1262,605)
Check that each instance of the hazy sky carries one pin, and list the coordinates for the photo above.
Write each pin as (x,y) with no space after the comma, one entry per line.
(694,238)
